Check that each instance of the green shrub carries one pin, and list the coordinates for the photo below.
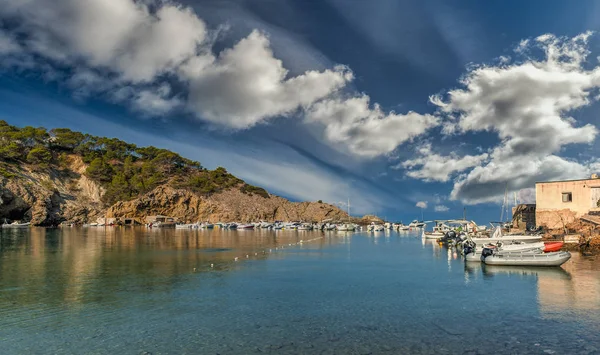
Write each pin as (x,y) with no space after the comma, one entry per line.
(254,190)
(40,157)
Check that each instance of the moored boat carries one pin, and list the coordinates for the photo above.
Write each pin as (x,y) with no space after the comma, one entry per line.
(16,225)
(345,227)
(245,226)
(527,259)
(497,236)
(474,253)
(416,224)
(305,227)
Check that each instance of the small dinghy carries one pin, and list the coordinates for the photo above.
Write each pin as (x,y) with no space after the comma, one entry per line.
(473,253)
(16,225)
(245,226)
(526,258)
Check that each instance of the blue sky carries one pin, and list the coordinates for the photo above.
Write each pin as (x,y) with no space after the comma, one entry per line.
(394,104)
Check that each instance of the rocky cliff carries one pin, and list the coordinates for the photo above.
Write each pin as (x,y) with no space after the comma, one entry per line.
(228,205)
(51,196)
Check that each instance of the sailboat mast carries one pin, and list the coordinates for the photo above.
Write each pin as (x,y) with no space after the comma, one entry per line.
(348,207)
(504,203)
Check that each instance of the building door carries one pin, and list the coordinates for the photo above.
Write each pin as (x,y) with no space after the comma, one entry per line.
(595,196)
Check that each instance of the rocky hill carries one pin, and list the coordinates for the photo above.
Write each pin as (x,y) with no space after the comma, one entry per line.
(62,176)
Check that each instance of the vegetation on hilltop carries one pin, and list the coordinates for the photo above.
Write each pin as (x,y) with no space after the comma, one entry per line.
(123,169)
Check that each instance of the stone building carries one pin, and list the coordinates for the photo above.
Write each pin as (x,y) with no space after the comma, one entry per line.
(561,202)
(523,216)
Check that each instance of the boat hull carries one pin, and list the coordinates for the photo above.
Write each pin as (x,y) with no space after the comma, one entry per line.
(542,259)
(433,235)
(507,239)
(20,225)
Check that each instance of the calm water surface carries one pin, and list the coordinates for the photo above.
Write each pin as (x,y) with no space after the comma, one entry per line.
(132,291)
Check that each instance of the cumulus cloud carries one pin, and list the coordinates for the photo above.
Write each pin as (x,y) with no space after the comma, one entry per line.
(422,204)
(430,166)
(247,84)
(441,208)
(136,52)
(526,195)
(364,129)
(527,104)
(155,101)
(120,35)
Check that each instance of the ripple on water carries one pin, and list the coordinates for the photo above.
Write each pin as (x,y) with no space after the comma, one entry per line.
(123,290)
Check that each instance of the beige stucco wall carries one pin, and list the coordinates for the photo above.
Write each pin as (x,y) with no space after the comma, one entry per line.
(552,212)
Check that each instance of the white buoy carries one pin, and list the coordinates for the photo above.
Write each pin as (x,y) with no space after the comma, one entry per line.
(246,256)
(236,258)
(212,265)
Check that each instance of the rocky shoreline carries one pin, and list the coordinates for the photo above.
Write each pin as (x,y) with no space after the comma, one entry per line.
(51,197)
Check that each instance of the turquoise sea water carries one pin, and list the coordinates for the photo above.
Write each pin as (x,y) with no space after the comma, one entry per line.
(133,291)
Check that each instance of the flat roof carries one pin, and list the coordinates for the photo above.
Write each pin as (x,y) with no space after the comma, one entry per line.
(547,182)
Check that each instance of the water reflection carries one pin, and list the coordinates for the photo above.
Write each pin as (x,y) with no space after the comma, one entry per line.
(77,266)
(572,290)
(120,290)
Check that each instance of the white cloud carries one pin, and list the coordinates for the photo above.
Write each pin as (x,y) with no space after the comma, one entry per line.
(122,36)
(422,204)
(487,183)
(430,166)
(367,131)
(441,208)
(247,84)
(138,52)
(526,195)
(156,101)
(527,105)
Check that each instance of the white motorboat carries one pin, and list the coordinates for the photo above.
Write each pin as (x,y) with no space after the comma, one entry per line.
(245,226)
(527,259)
(345,227)
(16,225)
(433,235)
(329,227)
(183,226)
(305,227)
(266,225)
(416,224)
(291,225)
(497,236)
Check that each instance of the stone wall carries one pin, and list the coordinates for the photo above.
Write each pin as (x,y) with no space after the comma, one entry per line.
(554,219)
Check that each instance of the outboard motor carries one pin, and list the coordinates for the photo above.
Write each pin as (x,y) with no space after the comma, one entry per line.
(486,252)
(468,250)
(469,247)
(450,235)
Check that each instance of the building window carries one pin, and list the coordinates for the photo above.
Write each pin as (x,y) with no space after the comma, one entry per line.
(567,197)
